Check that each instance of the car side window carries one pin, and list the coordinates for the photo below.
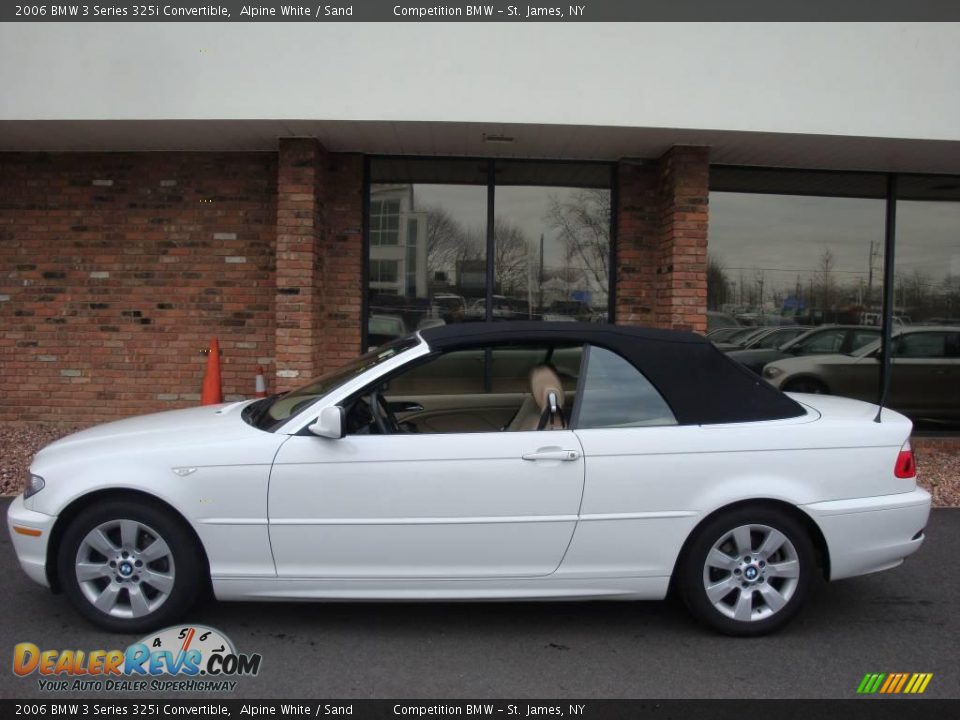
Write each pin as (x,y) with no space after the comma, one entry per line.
(859,338)
(825,342)
(617,395)
(922,345)
(477,389)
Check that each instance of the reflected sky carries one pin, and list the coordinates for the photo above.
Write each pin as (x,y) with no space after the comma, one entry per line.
(785,235)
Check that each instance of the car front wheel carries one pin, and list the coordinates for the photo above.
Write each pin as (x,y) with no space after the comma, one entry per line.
(748,571)
(129,566)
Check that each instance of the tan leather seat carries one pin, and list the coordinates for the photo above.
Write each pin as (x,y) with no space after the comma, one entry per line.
(545,386)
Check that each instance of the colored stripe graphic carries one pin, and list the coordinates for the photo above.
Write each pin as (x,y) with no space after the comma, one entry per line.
(894,683)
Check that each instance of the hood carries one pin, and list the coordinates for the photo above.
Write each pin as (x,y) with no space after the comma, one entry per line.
(195,426)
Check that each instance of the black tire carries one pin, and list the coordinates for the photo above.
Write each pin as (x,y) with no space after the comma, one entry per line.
(184,554)
(693,572)
(806,385)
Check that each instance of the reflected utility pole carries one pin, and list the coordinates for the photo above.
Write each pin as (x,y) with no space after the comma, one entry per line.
(540,278)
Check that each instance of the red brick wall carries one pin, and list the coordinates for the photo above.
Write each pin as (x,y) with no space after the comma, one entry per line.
(117,268)
(681,261)
(300,224)
(319,260)
(661,250)
(343,261)
(637,238)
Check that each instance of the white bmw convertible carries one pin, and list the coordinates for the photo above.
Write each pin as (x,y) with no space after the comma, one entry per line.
(482,461)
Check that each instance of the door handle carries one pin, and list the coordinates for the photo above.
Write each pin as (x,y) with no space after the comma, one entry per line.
(553,454)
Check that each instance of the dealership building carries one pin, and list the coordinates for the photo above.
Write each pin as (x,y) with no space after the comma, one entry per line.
(305,191)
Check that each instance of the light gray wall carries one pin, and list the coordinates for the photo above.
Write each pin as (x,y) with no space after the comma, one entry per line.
(883,80)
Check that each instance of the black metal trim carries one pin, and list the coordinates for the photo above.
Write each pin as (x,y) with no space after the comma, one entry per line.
(612,235)
(581,382)
(365,258)
(491,240)
(890,236)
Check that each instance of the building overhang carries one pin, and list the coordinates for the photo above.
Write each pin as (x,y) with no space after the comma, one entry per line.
(479,139)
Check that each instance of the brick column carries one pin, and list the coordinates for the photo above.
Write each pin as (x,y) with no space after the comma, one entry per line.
(343,262)
(300,226)
(681,255)
(637,237)
(319,260)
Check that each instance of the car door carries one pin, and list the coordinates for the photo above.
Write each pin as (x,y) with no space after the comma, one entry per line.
(430,504)
(923,380)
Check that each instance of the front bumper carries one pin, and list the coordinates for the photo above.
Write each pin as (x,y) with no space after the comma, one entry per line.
(31,548)
(866,535)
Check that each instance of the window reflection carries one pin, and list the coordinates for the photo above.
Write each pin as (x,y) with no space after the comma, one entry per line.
(791,259)
(552,253)
(427,262)
(428,236)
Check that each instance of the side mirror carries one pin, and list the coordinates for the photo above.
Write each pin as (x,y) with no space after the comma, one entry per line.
(332,423)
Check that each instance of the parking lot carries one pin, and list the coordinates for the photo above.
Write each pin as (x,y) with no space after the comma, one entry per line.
(904,620)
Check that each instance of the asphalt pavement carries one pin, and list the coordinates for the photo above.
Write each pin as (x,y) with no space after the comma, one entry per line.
(904,620)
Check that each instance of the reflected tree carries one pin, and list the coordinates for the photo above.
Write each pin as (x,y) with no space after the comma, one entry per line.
(583,223)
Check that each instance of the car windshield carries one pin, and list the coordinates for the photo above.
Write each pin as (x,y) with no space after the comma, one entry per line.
(271,412)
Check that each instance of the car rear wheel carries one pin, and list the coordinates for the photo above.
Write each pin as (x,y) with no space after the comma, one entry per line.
(748,571)
(806,385)
(129,566)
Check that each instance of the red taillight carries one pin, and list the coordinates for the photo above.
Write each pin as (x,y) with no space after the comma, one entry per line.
(906,466)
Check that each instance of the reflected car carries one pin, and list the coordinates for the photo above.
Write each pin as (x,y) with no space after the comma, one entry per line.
(381,329)
(567,311)
(481,461)
(765,338)
(924,383)
(724,333)
(739,336)
(717,320)
(827,339)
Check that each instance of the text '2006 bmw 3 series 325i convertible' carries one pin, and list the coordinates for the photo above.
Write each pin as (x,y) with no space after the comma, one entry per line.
(505,460)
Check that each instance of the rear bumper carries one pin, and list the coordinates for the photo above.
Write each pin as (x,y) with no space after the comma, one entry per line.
(31,547)
(866,535)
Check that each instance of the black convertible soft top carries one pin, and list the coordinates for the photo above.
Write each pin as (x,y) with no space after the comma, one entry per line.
(700,383)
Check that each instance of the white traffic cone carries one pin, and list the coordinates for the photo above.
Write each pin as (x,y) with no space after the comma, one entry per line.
(261,383)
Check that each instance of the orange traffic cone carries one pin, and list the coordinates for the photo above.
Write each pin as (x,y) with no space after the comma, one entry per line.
(261,386)
(211,394)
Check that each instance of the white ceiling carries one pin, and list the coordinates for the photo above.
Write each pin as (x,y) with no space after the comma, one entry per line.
(467,139)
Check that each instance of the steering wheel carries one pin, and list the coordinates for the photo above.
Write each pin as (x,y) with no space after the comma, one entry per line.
(386,421)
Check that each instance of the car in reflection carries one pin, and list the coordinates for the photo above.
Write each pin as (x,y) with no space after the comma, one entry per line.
(924,382)
(382,328)
(448,307)
(723,333)
(504,308)
(827,339)
(717,320)
(481,461)
(736,337)
(767,337)
(567,311)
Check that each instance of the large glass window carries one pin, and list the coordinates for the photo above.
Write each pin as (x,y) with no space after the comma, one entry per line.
(796,247)
(926,370)
(427,261)
(552,253)
(428,242)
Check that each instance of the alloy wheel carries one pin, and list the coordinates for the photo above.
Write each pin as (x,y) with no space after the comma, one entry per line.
(124,568)
(751,572)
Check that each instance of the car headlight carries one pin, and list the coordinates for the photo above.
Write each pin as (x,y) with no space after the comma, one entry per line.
(35,484)
(772,372)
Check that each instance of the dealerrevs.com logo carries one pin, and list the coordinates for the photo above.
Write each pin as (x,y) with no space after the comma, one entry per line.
(199,658)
